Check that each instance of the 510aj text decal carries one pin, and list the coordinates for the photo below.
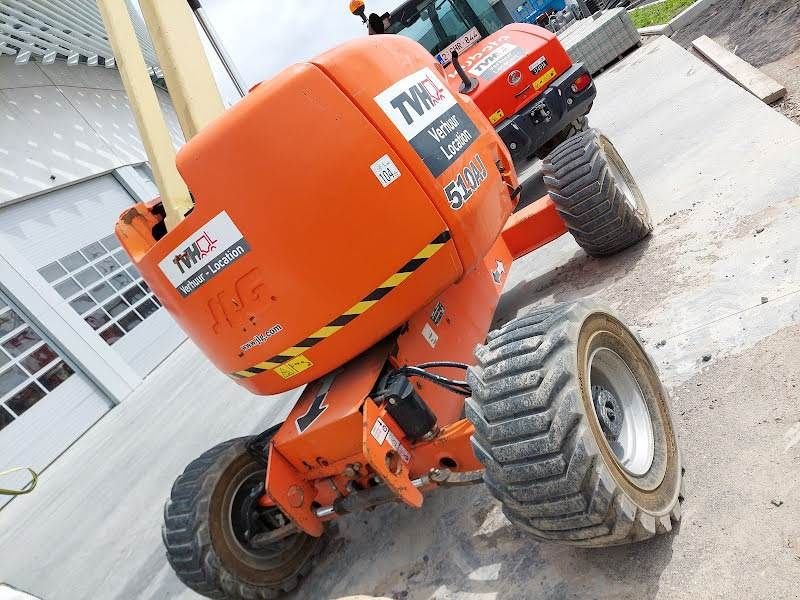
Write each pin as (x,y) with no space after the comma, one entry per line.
(464,184)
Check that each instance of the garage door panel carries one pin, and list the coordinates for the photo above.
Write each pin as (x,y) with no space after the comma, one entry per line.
(149,346)
(64,220)
(66,240)
(46,403)
(67,235)
(40,434)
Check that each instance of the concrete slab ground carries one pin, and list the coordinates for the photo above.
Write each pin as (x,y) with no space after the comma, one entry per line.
(91,529)
(714,292)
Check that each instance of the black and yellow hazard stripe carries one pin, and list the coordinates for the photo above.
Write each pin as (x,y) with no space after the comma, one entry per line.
(359,308)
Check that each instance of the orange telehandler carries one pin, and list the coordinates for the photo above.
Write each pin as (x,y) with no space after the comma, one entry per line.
(352,232)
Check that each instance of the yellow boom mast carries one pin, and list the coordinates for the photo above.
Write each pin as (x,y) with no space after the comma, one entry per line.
(189,79)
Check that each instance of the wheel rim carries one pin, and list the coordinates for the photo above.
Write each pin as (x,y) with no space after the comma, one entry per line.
(623,178)
(657,489)
(235,492)
(244,517)
(621,410)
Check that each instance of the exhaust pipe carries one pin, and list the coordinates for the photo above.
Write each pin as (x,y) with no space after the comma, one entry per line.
(468,84)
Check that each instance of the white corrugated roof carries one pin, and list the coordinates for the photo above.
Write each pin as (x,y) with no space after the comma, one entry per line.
(71,29)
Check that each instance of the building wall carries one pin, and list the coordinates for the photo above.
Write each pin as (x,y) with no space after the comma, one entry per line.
(60,124)
(79,328)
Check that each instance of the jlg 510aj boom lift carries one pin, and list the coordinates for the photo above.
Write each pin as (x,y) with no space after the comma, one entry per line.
(351,232)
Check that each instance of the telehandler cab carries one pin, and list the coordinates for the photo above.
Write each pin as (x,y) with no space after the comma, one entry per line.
(358,246)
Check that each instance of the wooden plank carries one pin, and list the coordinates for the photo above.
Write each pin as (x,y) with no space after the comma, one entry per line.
(665,29)
(740,71)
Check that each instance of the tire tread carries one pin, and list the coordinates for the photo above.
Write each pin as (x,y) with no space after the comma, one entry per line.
(592,204)
(542,461)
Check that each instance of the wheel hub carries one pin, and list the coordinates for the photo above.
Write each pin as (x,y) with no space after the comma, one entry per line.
(609,412)
(248,518)
(621,411)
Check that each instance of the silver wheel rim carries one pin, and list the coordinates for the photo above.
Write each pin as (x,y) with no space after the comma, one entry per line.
(634,444)
(622,184)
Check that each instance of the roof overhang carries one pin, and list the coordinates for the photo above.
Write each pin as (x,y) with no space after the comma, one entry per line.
(72,30)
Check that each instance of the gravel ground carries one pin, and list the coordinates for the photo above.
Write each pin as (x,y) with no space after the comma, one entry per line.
(787,71)
(743,504)
(765,33)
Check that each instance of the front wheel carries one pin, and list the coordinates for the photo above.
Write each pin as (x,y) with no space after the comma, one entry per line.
(573,427)
(211,520)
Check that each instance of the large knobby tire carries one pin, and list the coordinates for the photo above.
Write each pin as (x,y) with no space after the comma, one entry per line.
(207,545)
(596,195)
(556,467)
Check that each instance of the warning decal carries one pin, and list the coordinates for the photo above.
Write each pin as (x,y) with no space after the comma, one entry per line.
(292,361)
(544,79)
(381,432)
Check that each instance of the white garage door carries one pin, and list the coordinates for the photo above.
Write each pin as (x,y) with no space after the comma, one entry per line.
(67,235)
(45,404)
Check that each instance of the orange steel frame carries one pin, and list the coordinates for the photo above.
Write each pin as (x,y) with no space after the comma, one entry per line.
(344,448)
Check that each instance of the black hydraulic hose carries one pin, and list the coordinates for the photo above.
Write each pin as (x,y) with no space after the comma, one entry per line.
(444,363)
(458,387)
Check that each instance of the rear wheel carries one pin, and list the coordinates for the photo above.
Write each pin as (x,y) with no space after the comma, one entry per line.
(572,425)
(211,520)
(596,195)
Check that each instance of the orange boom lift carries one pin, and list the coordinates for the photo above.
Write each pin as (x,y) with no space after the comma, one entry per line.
(352,230)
